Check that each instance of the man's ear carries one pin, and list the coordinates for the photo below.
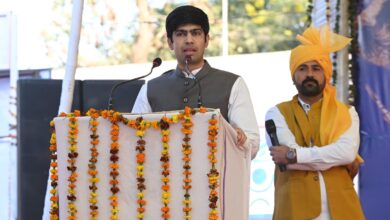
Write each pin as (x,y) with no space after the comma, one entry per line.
(207,40)
(170,43)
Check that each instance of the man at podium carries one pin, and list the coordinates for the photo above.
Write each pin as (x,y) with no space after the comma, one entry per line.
(195,83)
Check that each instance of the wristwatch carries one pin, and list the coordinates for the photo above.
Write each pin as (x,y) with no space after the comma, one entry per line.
(291,155)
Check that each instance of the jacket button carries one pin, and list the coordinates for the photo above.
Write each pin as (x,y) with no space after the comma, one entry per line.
(315,178)
(186,83)
(185,99)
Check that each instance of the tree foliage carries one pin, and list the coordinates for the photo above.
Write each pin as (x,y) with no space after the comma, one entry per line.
(111,36)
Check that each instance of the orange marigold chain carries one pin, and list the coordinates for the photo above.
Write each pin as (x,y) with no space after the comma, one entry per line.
(165,196)
(92,171)
(140,125)
(72,156)
(186,150)
(114,118)
(53,174)
(213,175)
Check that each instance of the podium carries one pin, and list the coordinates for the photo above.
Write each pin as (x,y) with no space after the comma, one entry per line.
(177,188)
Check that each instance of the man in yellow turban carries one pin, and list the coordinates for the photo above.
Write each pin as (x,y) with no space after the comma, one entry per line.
(318,136)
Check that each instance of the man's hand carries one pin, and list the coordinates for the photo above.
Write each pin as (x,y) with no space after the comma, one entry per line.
(353,168)
(279,154)
(241,137)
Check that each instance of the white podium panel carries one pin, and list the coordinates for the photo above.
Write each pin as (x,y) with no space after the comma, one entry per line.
(233,165)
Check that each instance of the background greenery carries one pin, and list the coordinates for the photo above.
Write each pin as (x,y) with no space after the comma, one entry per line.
(108,37)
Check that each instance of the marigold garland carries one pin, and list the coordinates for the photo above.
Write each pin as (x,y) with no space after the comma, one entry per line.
(53,174)
(114,118)
(141,126)
(164,126)
(187,150)
(213,175)
(92,171)
(72,156)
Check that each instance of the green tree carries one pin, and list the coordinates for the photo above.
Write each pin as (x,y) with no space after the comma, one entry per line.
(111,36)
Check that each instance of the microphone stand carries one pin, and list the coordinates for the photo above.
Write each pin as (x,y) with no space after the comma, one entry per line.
(156,63)
(190,74)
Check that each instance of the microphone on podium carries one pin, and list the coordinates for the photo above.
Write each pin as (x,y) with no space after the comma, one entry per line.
(271,130)
(156,63)
(192,76)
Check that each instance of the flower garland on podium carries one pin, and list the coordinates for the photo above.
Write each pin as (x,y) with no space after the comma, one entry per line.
(141,126)
(53,173)
(92,171)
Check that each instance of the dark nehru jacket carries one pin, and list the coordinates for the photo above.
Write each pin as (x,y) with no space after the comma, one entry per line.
(173,91)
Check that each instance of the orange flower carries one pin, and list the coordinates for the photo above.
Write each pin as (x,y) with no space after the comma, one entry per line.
(114,166)
(114,204)
(202,109)
(140,158)
(187,110)
(187,209)
(165,139)
(165,209)
(94,212)
(213,121)
(92,172)
(54,199)
(54,177)
(141,202)
(165,187)
(212,144)
(95,142)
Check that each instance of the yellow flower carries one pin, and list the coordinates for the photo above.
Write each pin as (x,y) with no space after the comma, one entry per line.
(94,180)
(186,202)
(73,148)
(140,167)
(165,132)
(175,118)
(165,195)
(213,211)
(140,195)
(140,133)
(140,215)
(93,200)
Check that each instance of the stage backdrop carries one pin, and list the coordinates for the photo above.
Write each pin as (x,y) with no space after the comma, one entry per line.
(374,107)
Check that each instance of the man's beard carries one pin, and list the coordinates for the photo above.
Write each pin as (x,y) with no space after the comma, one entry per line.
(310,87)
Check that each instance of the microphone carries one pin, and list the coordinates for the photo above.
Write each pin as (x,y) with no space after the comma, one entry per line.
(156,63)
(189,74)
(271,130)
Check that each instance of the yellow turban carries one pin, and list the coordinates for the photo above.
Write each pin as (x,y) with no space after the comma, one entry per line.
(316,45)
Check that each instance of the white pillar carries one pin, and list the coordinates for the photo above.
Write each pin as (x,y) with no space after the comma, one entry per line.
(342,81)
(225,28)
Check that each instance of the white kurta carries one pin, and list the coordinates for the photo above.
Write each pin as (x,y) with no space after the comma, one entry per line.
(240,111)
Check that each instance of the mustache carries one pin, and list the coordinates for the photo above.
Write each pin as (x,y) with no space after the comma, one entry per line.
(310,79)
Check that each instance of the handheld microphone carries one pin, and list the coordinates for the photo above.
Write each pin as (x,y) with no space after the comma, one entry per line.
(271,130)
(156,63)
(189,74)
